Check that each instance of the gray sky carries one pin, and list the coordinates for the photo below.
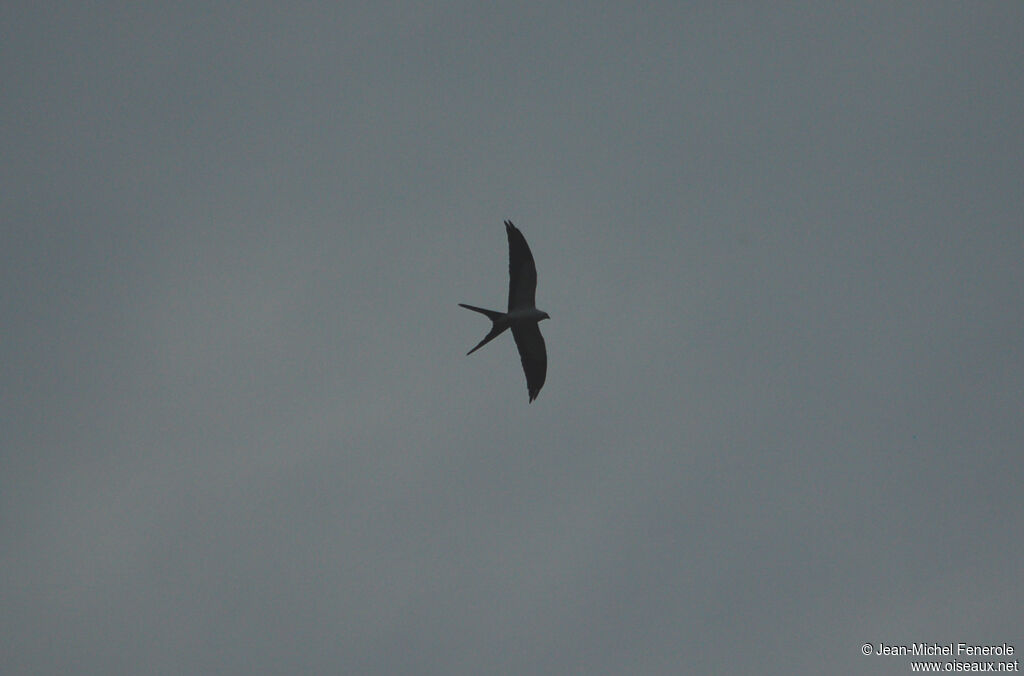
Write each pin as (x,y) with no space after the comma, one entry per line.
(782,250)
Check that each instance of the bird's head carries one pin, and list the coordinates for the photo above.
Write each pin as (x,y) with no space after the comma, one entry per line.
(543,316)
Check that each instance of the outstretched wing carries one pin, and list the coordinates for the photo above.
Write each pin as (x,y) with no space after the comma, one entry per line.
(533,354)
(522,273)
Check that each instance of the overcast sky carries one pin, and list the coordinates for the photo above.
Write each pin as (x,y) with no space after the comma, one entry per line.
(782,248)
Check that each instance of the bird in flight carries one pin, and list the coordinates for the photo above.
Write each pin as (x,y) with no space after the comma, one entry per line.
(522,316)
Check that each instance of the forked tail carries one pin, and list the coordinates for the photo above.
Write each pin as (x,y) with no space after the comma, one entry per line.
(497,328)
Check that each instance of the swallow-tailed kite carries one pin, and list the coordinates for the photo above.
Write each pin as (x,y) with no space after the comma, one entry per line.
(522,317)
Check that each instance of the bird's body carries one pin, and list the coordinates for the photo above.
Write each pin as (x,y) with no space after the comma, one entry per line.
(522,316)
